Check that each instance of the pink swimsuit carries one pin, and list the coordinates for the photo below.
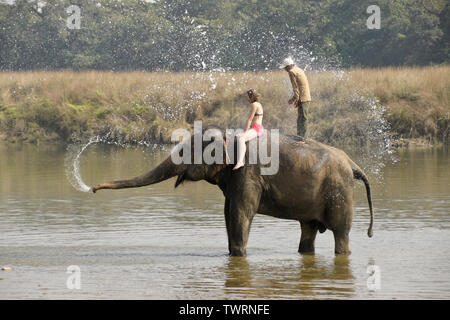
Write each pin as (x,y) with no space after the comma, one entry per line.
(258,128)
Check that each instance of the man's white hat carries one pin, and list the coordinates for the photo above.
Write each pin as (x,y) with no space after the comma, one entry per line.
(287,62)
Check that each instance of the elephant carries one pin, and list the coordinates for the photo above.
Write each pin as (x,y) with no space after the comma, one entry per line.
(313,185)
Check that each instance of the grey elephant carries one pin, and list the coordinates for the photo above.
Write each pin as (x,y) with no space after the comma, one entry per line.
(313,185)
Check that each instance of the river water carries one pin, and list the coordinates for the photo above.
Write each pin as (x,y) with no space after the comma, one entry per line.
(159,243)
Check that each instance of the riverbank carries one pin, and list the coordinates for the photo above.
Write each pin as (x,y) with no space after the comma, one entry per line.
(358,107)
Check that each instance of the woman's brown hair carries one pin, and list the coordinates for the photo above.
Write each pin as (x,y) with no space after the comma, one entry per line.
(253,95)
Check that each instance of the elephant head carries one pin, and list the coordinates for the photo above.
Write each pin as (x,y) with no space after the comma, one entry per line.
(192,167)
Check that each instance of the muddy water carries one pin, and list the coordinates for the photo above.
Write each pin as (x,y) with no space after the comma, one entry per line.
(159,243)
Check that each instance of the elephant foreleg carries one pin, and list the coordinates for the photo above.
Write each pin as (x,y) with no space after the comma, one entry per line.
(241,211)
(308,236)
(226,209)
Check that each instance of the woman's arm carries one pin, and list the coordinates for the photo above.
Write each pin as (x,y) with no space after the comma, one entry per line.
(249,121)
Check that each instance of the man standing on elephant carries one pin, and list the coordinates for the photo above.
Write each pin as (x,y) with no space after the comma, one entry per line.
(301,98)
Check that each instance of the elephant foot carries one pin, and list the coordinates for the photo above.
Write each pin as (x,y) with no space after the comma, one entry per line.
(306,248)
(342,245)
(343,252)
(238,252)
(346,253)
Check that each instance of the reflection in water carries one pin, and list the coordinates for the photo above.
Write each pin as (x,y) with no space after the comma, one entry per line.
(309,277)
(237,273)
(158,242)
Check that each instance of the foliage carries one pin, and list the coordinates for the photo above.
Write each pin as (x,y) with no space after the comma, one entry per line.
(231,34)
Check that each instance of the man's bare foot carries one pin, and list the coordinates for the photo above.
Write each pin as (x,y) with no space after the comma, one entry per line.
(238,165)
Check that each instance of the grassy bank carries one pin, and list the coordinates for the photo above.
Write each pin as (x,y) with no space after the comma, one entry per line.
(349,108)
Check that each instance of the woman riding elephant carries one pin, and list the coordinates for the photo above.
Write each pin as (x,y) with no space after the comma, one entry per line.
(254,127)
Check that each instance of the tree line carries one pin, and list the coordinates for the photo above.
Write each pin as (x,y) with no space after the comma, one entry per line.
(227,34)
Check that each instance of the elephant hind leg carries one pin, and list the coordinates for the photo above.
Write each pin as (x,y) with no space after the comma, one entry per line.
(341,224)
(339,217)
(341,243)
(308,236)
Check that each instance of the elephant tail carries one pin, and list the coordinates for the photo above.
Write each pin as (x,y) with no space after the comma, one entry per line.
(359,175)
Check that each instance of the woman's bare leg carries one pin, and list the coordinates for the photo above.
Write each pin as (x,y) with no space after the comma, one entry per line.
(242,138)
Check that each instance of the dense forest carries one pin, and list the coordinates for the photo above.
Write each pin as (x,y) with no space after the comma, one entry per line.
(227,34)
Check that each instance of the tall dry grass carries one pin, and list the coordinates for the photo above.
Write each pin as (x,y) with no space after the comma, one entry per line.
(348,107)
(418,99)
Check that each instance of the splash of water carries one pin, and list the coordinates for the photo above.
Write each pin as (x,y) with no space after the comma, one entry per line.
(72,164)
(376,130)
(75,151)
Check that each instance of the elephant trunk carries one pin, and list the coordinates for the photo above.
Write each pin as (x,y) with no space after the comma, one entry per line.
(165,170)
